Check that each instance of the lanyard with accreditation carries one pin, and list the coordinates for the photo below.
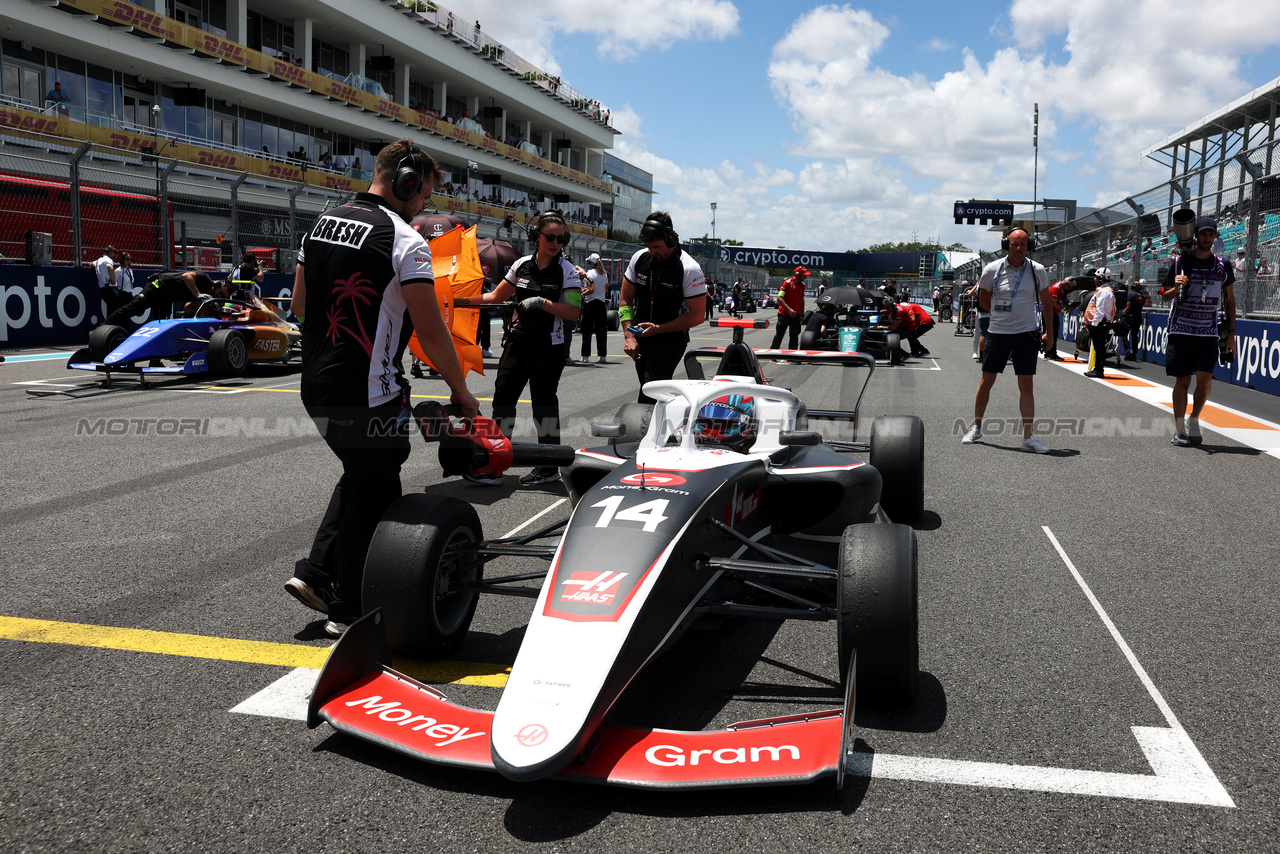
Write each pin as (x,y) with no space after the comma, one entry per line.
(1007,304)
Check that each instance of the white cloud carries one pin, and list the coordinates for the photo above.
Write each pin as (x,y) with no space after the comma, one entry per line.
(624,28)
(938,45)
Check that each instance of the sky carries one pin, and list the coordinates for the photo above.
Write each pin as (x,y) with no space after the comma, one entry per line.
(835,127)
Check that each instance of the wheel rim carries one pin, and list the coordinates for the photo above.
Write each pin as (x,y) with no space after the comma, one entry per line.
(451,602)
(236,354)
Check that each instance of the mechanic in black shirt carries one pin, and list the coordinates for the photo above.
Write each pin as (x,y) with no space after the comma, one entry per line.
(1133,318)
(365,279)
(161,293)
(664,295)
(548,293)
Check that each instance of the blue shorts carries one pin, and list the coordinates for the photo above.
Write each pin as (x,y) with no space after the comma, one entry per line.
(1023,347)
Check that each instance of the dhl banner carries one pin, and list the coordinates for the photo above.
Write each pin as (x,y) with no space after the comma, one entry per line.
(209,44)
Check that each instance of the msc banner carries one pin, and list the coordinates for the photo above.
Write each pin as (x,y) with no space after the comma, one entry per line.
(57,306)
(1257,363)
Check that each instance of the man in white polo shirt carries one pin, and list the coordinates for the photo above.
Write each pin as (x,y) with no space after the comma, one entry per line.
(1099,313)
(1009,289)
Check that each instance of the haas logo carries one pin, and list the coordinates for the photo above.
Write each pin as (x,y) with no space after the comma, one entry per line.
(744,504)
(599,588)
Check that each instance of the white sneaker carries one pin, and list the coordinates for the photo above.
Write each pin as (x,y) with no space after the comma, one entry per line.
(974,434)
(1034,445)
(1193,431)
(975,357)
(335,629)
(487,353)
(601,361)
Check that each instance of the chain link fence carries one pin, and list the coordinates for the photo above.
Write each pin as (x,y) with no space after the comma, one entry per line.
(1134,237)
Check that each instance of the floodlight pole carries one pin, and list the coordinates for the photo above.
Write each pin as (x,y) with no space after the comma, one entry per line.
(713,222)
(1035,176)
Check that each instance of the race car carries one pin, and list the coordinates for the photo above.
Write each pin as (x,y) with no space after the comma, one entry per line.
(716,502)
(847,319)
(222,338)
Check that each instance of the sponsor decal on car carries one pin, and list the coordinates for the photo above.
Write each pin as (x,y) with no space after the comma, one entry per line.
(669,755)
(393,712)
(597,587)
(654,478)
(743,504)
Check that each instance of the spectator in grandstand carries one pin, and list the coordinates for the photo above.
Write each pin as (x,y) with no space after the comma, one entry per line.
(1240,263)
(1264,268)
(1013,332)
(595,301)
(664,295)
(59,98)
(1192,344)
(340,163)
(791,309)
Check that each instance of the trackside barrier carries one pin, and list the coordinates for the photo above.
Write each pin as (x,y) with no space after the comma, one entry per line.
(1257,363)
(58,306)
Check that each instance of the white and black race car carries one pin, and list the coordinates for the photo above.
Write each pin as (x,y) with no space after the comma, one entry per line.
(717,501)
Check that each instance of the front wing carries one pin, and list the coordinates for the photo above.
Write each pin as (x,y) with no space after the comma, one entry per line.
(360,694)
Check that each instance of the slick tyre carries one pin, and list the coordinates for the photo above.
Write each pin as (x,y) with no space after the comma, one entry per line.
(228,353)
(611,319)
(893,343)
(897,452)
(416,570)
(877,612)
(809,340)
(103,340)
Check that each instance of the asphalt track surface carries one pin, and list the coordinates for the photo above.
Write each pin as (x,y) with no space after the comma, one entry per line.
(1034,730)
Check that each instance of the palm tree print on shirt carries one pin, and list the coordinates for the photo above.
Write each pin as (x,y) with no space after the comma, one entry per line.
(356,290)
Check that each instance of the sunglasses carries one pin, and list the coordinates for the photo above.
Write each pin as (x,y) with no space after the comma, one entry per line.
(562,239)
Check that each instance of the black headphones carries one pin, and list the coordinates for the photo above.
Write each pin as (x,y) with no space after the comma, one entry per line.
(409,177)
(667,232)
(1031,239)
(535,224)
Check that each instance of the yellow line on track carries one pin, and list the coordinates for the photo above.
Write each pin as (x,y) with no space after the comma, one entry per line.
(232,649)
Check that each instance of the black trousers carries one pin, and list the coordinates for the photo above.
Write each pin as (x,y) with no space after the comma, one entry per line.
(913,337)
(539,367)
(1100,335)
(788,323)
(372,444)
(482,330)
(1135,335)
(159,299)
(594,322)
(115,299)
(659,358)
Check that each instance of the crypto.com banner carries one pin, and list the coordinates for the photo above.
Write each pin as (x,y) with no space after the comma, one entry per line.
(1257,363)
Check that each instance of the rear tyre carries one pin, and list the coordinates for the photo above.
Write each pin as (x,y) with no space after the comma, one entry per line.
(877,612)
(611,319)
(416,572)
(897,452)
(893,343)
(104,339)
(809,340)
(228,354)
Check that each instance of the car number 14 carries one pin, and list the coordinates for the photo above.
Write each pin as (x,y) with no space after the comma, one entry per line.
(649,513)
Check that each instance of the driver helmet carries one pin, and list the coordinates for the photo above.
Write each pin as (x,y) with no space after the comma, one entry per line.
(728,422)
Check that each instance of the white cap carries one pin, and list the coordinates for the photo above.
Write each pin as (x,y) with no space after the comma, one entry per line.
(593,258)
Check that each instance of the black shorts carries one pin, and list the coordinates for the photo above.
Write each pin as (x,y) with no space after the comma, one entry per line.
(1024,347)
(1189,354)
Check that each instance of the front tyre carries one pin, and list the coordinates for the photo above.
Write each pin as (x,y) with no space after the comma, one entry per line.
(103,340)
(228,353)
(878,615)
(897,452)
(416,571)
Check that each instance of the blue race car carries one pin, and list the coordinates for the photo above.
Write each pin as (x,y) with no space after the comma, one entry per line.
(222,338)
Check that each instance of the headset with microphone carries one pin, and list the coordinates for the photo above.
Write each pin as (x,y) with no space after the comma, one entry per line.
(666,232)
(409,175)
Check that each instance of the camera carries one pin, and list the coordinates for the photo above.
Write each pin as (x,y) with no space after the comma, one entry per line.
(1225,357)
(1184,228)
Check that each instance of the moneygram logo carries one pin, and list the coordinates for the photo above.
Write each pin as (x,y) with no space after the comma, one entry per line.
(653,478)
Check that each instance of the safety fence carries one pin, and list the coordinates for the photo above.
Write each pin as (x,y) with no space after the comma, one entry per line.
(1134,237)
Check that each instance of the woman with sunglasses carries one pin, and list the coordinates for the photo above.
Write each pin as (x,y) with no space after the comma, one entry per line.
(547,292)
